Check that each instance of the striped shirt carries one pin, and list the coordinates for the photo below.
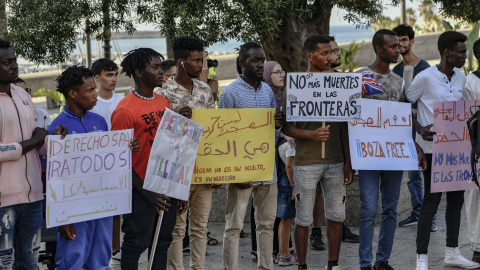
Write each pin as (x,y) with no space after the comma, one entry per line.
(240,94)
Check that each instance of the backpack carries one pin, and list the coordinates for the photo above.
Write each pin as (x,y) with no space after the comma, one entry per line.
(474,129)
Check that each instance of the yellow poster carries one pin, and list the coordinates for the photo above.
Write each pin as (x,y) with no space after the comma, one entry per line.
(238,145)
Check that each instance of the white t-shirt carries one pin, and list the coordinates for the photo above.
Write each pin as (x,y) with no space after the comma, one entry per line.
(430,86)
(472,88)
(105,107)
(42,118)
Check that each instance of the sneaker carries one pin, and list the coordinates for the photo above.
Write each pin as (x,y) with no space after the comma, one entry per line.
(348,236)
(117,255)
(422,262)
(410,221)
(336,267)
(382,266)
(434,226)
(242,234)
(454,258)
(316,242)
(186,248)
(284,261)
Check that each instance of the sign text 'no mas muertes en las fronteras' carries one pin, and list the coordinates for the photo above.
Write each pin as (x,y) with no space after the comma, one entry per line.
(451,169)
(323,96)
(238,145)
(382,138)
(88,176)
(172,158)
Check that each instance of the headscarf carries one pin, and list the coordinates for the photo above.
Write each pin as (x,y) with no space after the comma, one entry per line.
(267,78)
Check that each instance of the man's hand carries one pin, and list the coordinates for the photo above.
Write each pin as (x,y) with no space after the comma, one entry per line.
(279,119)
(185,111)
(290,140)
(426,134)
(348,174)
(182,207)
(159,201)
(67,231)
(39,135)
(320,134)
(60,130)
(244,185)
(422,160)
(134,145)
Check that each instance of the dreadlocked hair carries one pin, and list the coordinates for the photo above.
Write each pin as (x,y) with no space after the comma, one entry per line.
(138,59)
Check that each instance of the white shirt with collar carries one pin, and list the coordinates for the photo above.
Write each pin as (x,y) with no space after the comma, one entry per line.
(472,87)
(431,86)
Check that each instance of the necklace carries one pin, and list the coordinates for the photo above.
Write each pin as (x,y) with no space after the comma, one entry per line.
(142,97)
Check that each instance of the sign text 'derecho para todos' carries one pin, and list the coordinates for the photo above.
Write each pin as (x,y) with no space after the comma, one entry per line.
(88,176)
(323,96)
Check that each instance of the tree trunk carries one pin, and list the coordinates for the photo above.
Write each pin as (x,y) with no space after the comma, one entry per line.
(107,34)
(287,48)
(169,41)
(3,18)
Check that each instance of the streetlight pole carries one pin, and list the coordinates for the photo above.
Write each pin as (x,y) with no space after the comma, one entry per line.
(403,18)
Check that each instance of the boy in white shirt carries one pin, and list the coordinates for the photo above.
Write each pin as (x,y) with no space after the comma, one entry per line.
(106,72)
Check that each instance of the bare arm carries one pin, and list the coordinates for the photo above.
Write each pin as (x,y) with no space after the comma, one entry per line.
(320,134)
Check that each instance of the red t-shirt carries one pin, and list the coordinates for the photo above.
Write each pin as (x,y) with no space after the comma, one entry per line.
(143,116)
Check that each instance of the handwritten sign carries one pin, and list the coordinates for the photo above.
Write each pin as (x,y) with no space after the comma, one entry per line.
(238,146)
(88,176)
(323,96)
(451,169)
(172,158)
(382,138)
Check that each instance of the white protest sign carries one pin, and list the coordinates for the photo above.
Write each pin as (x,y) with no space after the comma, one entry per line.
(382,138)
(172,158)
(315,97)
(88,176)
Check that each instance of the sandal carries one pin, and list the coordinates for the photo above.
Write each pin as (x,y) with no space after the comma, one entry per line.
(211,241)
(284,261)
(254,256)
(293,257)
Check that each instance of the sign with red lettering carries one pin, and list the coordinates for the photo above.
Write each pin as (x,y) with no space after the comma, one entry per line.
(172,158)
(88,176)
(382,138)
(451,169)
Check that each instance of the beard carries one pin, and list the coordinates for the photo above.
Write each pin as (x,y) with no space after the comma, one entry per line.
(336,64)
(406,51)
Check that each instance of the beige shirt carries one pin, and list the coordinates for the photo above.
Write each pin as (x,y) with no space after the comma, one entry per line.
(178,96)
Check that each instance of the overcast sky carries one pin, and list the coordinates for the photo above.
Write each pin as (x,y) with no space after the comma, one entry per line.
(392,12)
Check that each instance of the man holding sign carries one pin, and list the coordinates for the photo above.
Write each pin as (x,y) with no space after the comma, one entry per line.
(88,243)
(143,110)
(332,169)
(185,93)
(248,91)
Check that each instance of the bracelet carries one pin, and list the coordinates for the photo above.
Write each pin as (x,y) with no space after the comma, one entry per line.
(292,185)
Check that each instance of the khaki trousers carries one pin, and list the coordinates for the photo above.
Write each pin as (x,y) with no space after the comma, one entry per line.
(199,205)
(265,203)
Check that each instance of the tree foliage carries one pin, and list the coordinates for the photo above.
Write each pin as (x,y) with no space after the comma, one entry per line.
(46,31)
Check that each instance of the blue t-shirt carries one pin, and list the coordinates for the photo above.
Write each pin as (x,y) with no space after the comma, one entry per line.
(89,122)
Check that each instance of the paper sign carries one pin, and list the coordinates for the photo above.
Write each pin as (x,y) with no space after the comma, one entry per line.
(451,169)
(238,146)
(382,138)
(172,158)
(313,97)
(88,176)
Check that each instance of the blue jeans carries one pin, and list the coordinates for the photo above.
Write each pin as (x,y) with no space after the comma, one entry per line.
(20,227)
(371,184)
(415,186)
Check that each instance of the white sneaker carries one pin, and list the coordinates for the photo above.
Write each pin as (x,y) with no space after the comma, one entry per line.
(337,267)
(454,258)
(422,262)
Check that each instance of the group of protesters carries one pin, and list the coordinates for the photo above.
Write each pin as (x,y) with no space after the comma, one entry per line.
(306,184)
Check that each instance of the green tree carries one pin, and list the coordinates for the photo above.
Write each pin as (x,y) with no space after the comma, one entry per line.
(45,31)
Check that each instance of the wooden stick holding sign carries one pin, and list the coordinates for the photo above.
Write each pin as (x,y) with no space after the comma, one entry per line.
(323,143)
(155,240)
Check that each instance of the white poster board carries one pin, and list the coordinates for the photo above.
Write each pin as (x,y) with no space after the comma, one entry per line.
(316,97)
(382,138)
(172,158)
(88,176)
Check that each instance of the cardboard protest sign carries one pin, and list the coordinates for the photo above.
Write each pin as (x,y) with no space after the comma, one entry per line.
(451,169)
(382,138)
(88,176)
(315,97)
(172,158)
(238,145)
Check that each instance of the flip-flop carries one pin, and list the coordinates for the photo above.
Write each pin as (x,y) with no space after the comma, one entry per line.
(211,241)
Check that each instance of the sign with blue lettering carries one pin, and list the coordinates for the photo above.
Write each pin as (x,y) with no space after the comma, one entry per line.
(315,96)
